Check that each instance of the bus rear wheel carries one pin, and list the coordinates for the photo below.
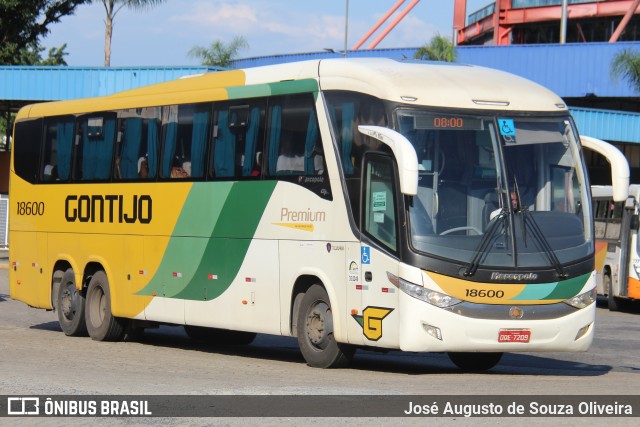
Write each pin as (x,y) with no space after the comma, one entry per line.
(101,324)
(70,304)
(475,361)
(315,332)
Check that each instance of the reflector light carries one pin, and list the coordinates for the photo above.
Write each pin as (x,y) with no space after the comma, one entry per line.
(582,332)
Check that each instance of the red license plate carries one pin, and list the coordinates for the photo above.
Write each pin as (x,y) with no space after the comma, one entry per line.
(514,335)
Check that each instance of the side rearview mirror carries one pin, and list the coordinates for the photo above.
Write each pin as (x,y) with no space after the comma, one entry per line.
(619,165)
(404,153)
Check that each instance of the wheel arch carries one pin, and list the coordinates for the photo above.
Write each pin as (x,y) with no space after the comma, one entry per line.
(93,266)
(57,272)
(302,284)
(300,287)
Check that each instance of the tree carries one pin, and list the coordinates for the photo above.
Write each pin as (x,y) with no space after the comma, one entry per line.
(32,55)
(219,53)
(626,65)
(439,48)
(112,7)
(24,22)
(56,56)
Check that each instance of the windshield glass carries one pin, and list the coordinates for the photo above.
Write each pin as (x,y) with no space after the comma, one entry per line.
(498,191)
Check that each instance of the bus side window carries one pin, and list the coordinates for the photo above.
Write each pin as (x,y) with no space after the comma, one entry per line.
(224,146)
(26,149)
(186,135)
(137,144)
(294,138)
(379,208)
(238,140)
(251,162)
(94,147)
(58,148)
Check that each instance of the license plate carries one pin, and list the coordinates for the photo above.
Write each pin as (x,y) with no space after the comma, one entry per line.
(514,335)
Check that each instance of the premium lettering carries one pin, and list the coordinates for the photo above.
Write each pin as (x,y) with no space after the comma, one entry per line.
(303,216)
(109,208)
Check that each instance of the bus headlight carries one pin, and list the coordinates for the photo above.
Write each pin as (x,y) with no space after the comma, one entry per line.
(583,300)
(427,295)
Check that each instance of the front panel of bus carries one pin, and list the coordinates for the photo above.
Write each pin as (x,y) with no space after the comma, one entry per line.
(495,250)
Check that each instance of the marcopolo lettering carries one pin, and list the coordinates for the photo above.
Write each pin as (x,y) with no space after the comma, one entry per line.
(111,208)
(513,276)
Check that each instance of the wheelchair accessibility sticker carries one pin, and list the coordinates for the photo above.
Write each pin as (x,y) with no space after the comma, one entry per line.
(507,130)
(366,255)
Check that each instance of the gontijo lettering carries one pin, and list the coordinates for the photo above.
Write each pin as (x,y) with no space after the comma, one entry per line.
(109,208)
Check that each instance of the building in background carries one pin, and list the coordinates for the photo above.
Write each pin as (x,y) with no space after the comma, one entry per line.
(505,22)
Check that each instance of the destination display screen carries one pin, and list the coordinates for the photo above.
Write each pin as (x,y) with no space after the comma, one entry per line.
(446,122)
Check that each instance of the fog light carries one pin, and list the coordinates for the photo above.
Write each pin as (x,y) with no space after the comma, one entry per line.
(432,330)
(582,332)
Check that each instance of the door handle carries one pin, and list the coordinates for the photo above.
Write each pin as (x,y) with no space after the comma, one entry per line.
(368,276)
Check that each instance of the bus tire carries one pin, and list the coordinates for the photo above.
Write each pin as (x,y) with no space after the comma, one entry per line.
(315,332)
(475,361)
(70,304)
(612,302)
(219,336)
(101,324)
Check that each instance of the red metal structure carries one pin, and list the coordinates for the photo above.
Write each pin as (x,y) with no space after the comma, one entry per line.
(382,20)
(505,18)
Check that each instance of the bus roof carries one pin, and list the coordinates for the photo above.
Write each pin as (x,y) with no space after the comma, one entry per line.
(437,84)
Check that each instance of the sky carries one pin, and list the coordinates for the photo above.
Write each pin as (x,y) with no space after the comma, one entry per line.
(164,34)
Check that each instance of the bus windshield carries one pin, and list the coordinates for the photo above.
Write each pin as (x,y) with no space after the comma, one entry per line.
(498,191)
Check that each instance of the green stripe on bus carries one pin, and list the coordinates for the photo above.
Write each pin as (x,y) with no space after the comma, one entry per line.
(251,91)
(279,88)
(294,86)
(569,288)
(189,262)
(538,291)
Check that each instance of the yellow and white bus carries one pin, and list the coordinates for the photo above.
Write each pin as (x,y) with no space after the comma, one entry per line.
(348,203)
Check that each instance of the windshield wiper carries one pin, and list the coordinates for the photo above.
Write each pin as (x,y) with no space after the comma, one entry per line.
(528,222)
(542,242)
(483,246)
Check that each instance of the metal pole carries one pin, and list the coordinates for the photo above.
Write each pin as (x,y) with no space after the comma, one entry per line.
(563,23)
(346,29)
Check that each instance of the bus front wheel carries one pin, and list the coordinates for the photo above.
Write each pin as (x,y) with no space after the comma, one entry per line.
(612,303)
(70,306)
(475,361)
(101,324)
(315,332)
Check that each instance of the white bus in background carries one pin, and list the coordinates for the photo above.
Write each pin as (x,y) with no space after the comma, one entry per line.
(615,211)
(616,233)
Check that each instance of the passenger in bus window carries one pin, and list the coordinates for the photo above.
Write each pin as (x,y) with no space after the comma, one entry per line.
(257,166)
(143,167)
(177,171)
